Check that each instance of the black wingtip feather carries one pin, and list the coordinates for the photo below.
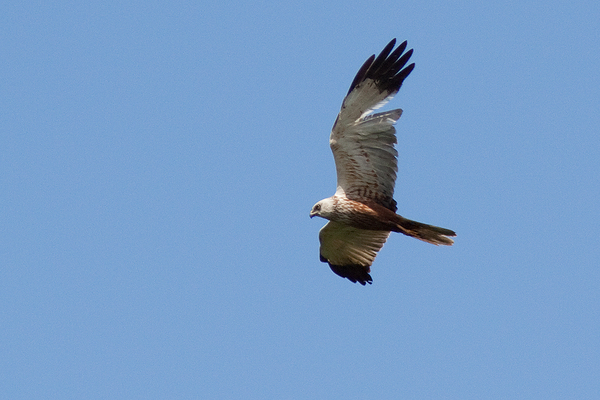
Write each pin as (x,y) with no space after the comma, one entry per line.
(355,273)
(361,74)
(382,57)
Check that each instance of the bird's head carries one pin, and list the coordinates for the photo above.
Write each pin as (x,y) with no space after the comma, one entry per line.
(323,209)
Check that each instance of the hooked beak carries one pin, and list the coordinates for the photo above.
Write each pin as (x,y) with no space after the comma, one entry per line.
(312,214)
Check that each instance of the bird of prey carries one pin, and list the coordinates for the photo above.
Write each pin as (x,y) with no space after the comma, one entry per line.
(362,212)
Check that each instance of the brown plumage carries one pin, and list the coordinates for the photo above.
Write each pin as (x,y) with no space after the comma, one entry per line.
(362,212)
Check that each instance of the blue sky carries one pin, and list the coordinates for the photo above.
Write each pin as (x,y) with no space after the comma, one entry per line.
(158,162)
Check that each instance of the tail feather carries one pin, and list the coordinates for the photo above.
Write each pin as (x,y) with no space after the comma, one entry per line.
(427,233)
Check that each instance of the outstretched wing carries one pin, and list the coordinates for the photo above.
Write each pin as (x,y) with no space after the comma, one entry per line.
(350,251)
(363,144)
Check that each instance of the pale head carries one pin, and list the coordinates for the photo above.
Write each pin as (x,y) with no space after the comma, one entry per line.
(324,208)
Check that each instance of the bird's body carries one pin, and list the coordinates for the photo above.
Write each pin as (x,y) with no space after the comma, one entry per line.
(362,212)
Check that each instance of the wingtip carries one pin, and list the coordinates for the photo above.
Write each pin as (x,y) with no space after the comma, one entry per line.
(354,273)
(386,68)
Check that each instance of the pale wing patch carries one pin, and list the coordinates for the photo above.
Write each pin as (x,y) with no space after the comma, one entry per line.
(363,100)
(344,245)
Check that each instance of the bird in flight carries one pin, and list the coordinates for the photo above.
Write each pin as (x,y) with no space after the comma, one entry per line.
(362,212)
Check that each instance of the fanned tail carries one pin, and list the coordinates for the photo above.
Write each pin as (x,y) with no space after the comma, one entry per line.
(427,233)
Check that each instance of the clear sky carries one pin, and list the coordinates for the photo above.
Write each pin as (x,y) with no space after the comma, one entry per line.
(158,162)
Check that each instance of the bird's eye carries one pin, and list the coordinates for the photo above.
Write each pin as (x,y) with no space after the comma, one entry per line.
(318,207)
